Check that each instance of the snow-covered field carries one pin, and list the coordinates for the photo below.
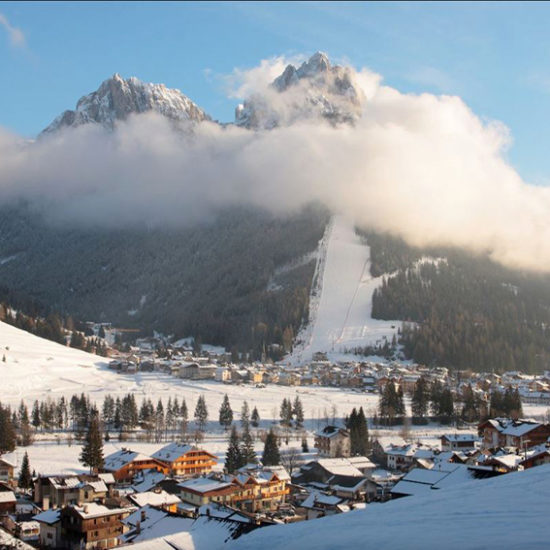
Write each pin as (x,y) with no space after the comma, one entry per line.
(37,369)
(341,302)
(507,512)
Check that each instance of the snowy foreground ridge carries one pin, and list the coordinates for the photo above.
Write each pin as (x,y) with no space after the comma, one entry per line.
(506,513)
(341,299)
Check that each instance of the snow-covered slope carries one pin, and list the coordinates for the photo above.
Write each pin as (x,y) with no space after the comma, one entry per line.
(315,90)
(34,367)
(508,512)
(117,98)
(341,301)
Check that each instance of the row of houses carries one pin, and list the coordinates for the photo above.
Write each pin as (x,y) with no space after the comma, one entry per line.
(115,505)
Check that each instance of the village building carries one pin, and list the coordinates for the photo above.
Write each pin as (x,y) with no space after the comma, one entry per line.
(458,442)
(195,371)
(91,526)
(400,457)
(124,464)
(6,470)
(58,491)
(333,442)
(251,491)
(319,504)
(504,432)
(158,499)
(50,528)
(7,502)
(185,460)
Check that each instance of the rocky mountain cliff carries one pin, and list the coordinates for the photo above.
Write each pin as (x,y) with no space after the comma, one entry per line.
(316,89)
(117,98)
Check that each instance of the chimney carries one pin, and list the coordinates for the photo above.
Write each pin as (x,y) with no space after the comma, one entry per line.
(143,515)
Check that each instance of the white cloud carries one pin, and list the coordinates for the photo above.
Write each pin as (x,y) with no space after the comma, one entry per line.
(15,35)
(243,83)
(424,167)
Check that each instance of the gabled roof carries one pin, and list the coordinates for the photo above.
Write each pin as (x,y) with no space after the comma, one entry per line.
(93,510)
(332,431)
(457,438)
(173,451)
(119,459)
(420,481)
(48,516)
(5,461)
(7,496)
(202,485)
(153,498)
(339,467)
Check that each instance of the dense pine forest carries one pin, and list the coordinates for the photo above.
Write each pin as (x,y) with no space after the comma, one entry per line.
(214,281)
(465,311)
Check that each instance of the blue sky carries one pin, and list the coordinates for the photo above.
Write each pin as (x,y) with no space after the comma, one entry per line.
(494,55)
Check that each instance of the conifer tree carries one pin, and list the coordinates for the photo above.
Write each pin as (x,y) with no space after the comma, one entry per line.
(389,403)
(201,413)
(184,416)
(25,476)
(286,412)
(255,418)
(8,437)
(233,456)
(247,447)
(298,412)
(35,415)
(245,415)
(92,450)
(420,400)
(226,413)
(271,455)
(159,421)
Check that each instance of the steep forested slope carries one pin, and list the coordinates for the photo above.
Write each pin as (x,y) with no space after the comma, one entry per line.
(210,280)
(470,312)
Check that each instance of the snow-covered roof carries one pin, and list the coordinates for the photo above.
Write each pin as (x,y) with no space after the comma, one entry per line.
(457,438)
(331,431)
(361,462)
(388,441)
(97,486)
(106,478)
(172,451)
(7,496)
(204,485)
(145,480)
(441,476)
(93,510)
(339,466)
(64,482)
(154,523)
(406,450)
(518,430)
(153,498)
(49,516)
(119,459)
(4,460)
(317,498)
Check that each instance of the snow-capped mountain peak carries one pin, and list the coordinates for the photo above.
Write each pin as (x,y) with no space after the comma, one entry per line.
(316,89)
(116,98)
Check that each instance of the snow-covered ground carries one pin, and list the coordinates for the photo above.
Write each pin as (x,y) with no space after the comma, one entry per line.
(508,512)
(341,301)
(37,369)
